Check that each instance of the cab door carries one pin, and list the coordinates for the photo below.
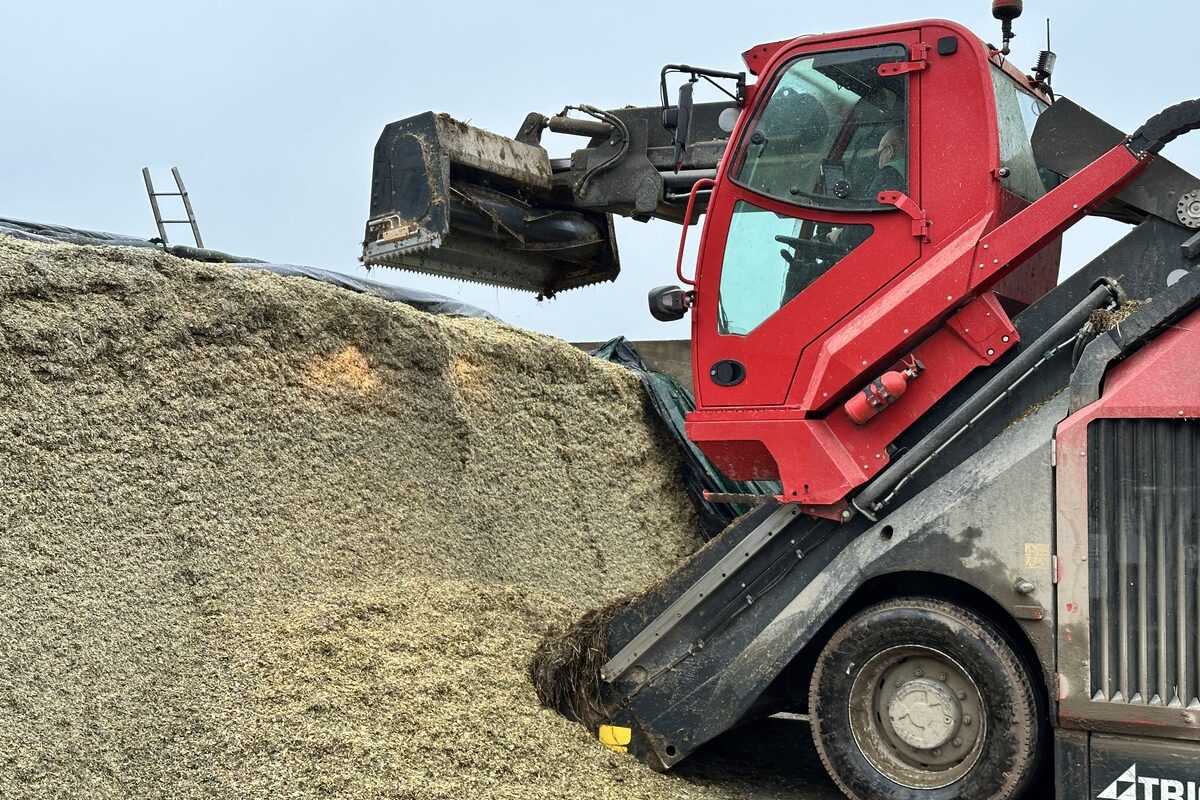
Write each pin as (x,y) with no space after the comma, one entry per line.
(796,236)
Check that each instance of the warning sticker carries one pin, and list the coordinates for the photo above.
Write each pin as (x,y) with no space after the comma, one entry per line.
(1037,555)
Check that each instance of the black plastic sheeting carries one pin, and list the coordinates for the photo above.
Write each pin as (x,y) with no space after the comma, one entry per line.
(423,301)
(672,403)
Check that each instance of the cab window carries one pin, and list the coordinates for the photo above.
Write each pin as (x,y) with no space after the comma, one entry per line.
(832,134)
(1017,112)
(770,258)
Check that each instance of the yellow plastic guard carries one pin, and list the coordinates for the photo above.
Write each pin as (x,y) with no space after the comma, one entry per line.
(615,737)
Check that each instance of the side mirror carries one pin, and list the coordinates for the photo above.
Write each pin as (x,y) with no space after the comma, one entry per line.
(669,303)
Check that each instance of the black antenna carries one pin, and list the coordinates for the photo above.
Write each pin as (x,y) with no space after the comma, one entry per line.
(1045,63)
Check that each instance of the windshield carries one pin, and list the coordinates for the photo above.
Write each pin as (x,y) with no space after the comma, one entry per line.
(833,133)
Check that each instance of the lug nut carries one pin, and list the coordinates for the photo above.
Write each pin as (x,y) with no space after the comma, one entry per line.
(942,677)
(957,741)
(961,695)
(918,672)
(937,751)
(967,719)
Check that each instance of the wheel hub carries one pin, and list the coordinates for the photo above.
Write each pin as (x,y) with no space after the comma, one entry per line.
(924,713)
(918,717)
(1188,209)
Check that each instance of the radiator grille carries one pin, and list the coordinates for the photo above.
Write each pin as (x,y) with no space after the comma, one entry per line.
(1143,542)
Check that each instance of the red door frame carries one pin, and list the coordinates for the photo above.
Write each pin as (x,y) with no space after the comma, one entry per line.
(771,351)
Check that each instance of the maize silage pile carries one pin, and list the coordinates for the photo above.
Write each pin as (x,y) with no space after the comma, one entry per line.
(265,538)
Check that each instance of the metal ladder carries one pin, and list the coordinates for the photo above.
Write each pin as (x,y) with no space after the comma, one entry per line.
(187,205)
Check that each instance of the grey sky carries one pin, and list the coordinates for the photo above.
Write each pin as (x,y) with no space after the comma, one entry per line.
(271,110)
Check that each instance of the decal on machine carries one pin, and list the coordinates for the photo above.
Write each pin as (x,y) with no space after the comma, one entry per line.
(1131,786)
(1037,555)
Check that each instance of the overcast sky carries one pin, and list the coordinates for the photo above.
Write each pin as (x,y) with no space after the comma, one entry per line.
(271,110)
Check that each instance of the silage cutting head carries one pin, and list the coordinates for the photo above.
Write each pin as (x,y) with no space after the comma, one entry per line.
(451,200)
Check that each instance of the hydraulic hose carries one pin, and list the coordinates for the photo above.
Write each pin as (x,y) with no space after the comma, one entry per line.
(1164,127)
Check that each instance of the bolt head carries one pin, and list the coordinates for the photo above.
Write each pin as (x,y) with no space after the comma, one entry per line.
(942,677)
(967,719)
(937,751)
(919,672)
(957,741)
(962,695)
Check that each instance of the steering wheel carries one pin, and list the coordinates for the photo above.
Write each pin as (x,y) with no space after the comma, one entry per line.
(817,248)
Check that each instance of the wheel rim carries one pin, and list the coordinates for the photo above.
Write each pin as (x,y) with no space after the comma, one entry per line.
(918,717)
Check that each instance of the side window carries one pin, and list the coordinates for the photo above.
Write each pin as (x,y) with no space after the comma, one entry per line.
(832,134)
(1017,113)
(769,259)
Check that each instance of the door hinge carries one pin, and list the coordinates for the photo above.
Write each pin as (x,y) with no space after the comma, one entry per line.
(919,54)
(920,222)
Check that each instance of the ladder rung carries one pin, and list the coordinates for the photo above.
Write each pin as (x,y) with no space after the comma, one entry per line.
(168,194)
(176,222)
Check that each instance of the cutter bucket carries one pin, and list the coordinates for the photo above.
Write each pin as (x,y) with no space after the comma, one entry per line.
(452,200)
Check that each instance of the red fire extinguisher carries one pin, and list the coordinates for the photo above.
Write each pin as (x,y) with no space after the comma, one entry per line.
(881,392)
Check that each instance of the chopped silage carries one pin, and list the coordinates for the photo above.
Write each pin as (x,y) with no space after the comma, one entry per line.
(264,538)
(1105,319)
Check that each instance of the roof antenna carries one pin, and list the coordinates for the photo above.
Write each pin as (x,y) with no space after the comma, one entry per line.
(1006,11)
(1044,67)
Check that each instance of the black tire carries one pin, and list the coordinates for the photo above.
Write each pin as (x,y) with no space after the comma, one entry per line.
(907,674)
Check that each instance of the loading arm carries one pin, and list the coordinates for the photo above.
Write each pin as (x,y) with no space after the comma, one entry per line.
(453,200)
